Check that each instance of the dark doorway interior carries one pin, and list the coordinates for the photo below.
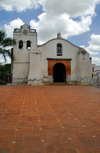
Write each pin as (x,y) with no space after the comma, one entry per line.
(59,73)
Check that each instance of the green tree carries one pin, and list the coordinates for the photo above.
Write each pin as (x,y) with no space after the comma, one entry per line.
(4,43)
(5,73)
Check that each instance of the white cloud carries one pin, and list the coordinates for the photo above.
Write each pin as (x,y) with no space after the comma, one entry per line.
(48,27)
(56,17)
(94,48)
(18,5)
(13,24)
(89,51)
(96,60)
(94,45)
(73,8)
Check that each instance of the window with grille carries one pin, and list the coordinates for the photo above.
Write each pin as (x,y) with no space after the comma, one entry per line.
(59,49)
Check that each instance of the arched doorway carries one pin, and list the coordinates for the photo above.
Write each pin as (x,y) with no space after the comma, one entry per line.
(59,73)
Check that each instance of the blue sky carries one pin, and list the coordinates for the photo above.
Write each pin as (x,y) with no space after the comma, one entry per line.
(77,20)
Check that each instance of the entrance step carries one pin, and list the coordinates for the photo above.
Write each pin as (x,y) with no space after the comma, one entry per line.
(60,84)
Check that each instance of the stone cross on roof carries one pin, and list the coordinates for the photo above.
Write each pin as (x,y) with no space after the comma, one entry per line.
(58,35)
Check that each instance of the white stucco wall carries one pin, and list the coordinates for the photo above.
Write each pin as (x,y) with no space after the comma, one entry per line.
(84,72)
(69,51)
(20,72)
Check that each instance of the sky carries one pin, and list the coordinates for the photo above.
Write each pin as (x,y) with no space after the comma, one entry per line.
(78,21)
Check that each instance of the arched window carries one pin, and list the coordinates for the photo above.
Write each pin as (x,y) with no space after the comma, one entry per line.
(28,44)
(59,49)
(20,44)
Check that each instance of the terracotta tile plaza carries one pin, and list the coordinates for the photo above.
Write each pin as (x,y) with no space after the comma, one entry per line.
(49,119)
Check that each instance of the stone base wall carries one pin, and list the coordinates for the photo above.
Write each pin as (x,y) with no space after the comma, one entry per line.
(81,83)
(43,81)
(38,81)
(20,81)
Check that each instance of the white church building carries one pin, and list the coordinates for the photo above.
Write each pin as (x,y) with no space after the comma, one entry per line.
(57,60)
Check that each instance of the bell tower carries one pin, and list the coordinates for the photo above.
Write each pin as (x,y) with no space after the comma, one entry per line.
(26,41)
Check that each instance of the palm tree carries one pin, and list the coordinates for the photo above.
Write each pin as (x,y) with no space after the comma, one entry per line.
(4,43)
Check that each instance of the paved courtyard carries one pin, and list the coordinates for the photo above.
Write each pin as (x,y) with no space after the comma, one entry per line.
(49,119)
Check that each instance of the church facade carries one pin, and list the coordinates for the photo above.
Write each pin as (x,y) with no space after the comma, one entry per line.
(57,60)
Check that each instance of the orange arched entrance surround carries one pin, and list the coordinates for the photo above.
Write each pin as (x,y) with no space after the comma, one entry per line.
(52,62)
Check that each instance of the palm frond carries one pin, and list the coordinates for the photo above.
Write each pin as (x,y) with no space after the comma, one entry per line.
(8,42)
(4,42)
